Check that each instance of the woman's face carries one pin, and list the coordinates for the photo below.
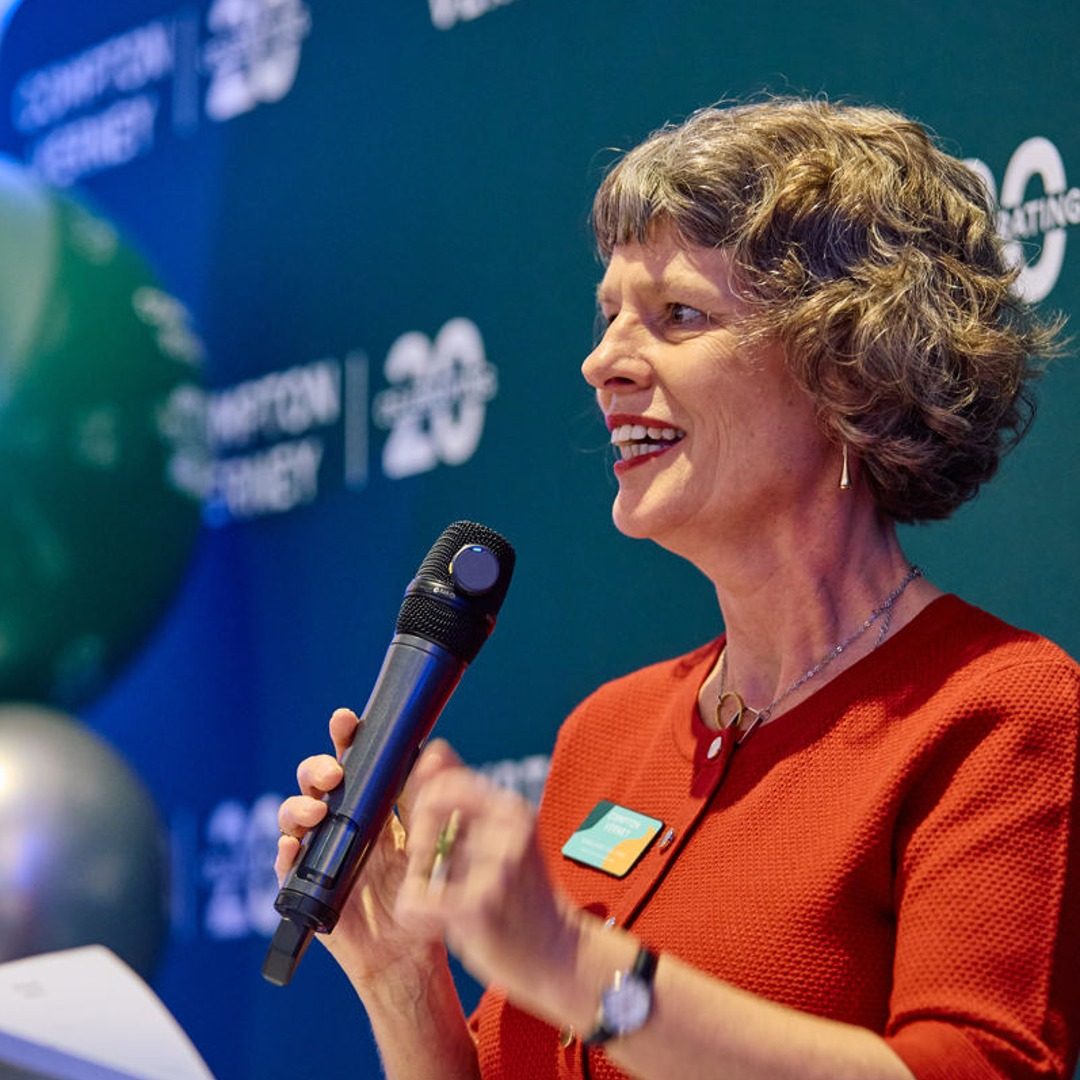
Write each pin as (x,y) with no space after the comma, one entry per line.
(714,442)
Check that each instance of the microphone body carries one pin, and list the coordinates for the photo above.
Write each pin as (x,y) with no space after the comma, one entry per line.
(416,680)
(448,612)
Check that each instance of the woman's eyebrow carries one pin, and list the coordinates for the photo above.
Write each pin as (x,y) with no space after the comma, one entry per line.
(691,287)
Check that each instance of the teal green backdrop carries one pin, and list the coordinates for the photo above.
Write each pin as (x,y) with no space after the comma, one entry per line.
(376,216)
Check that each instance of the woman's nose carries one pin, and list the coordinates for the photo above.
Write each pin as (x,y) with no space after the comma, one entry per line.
(616,362)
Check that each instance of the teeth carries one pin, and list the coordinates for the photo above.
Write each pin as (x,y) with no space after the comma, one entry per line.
(636,433)
(634,440)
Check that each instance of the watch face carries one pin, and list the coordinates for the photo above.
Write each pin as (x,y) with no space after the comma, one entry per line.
(626,1006)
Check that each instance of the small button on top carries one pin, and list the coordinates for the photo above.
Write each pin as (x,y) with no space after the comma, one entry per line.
(665,840)
(609,922)
(474,569)
(715,747)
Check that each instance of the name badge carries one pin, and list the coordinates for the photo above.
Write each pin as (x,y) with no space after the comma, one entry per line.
(612,838)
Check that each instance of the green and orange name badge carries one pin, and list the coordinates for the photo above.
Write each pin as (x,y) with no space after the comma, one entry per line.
(612,838)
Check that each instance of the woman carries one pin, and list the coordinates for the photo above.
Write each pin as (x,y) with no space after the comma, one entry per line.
(864,861)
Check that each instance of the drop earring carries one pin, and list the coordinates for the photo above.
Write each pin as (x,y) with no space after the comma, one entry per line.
(845,476)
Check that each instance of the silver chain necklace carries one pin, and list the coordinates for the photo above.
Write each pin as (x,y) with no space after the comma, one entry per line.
(883,611)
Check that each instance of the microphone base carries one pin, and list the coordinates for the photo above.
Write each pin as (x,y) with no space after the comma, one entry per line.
(288,945)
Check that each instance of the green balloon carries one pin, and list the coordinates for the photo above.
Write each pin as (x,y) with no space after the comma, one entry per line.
(84,858)
(100,458)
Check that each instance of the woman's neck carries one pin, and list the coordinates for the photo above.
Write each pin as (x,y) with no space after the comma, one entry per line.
(788,600)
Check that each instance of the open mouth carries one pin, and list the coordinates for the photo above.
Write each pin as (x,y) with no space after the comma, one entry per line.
(638,440)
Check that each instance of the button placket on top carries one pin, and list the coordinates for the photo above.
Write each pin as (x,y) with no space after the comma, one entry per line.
(683,739)
(709,773)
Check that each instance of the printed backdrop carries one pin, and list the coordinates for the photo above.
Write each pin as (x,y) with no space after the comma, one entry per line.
(343,285)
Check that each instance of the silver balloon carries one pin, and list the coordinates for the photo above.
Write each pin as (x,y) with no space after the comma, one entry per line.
(82,852)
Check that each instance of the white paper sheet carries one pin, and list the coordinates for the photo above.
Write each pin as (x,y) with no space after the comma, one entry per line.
(83,1014)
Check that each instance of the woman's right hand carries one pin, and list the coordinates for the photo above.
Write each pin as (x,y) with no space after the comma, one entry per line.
(367,941)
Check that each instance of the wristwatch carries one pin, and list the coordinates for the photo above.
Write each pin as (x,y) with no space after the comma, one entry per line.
(625,1004)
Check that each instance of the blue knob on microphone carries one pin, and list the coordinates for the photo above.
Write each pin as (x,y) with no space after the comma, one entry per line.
(475,569)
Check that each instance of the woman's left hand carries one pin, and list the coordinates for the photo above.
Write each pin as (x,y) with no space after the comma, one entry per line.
(492,899)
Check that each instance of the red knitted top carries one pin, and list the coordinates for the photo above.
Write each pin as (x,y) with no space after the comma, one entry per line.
(898,851)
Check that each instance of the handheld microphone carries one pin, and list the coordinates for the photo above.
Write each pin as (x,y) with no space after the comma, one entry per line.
(447,614)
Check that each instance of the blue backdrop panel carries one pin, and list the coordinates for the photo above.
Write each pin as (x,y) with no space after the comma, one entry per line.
(377,217)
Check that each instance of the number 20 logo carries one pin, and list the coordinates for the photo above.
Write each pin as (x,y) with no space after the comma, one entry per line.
(1022,219)
(437,401)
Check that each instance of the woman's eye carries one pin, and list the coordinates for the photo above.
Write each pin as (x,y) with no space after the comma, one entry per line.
(685,315)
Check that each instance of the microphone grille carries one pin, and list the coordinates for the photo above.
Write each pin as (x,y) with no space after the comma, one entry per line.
(434,608)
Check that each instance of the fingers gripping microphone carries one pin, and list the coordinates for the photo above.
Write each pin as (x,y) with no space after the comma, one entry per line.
(447,614)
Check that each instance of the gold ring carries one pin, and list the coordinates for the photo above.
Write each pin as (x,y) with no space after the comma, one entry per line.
(444,845)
